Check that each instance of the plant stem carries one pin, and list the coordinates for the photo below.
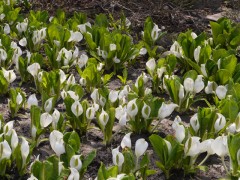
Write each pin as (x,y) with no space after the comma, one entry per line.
(136,165)
(203,161)
(224,164)
(153,129)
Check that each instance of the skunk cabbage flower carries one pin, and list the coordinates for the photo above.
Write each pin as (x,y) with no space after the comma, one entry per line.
(23,42)
(62,76)
(113,96)
(45,119)
(14,139)
(179,129)
(209,87)
(102,101)
(205,146)
(82,61)
(32,100)
(191,147)
(231,128)
(219,123)
(112,47)
(19,99)
(219,146)
(198,84)
(71,80)
(5,150)
(189,84)
(55,118)
(64,94)
(132,108)
(9,75)
(146,110)
(176,50)
(75,37)
(197,54)
(90,113)
(194,35)
(56,142)
(143,51)
(181,92)
(48,105)
(195,123)
(118,158)
(22,27)
(3,55)
(74,174)
(25,149)
(147,91)
(140,147)
(203,70)
(151,65)
(100,66)
(6,29)
(103,118)
(76,162)
(7,129)
(123,119)
(126,141)
(82,27)
(221,92)
(160,72)
(32,177)
(77,109)
(169,146)
(83,81)
(166,110)
(155,32)
(95,95)
(73,95)
(33,69)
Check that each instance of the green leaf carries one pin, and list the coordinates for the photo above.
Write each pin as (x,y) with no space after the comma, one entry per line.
(229,108)
(216,31)
(87,160)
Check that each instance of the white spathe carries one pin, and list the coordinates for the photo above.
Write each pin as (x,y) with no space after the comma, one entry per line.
(5,150)
(191,147)
(9,75)
(219,123)
(33,69)
(146,110)
(76,162)
(166,110)
(113,96)
(151,65)
(132,108)
(126,141)
(32,100)
(103,118)
(74,175)
(76,108)
(56,142)
(45,119)
(219,146)
(140,147)
(195,123)
(48,105)
(25,150)
(221,92)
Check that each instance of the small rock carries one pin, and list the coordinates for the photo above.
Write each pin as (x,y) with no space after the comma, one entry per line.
(214,17)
